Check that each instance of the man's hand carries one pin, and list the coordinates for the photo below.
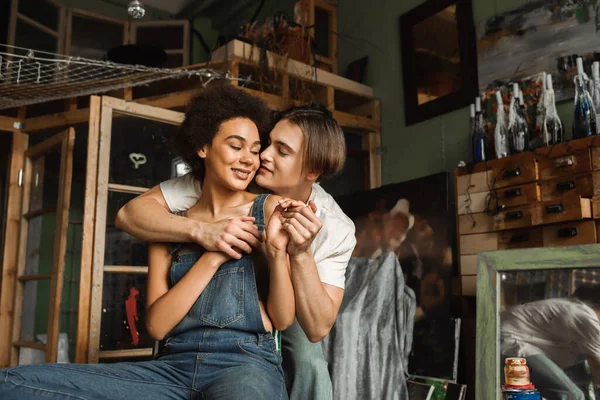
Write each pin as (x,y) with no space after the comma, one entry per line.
(232,236)
(276,237)
(301,223)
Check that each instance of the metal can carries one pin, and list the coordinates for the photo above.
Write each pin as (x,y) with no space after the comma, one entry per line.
(520,394)
(516,372)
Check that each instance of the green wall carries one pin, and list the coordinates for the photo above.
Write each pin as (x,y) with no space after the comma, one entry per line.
(435,145)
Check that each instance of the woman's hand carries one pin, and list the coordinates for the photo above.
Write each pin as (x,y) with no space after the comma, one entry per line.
(301,223)
(215,258)
(276,238)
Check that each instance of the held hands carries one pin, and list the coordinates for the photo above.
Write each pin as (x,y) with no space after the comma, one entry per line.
(232,236)
(301,224)
(276,237)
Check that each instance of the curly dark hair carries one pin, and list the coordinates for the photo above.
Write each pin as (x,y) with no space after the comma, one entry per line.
(206,112)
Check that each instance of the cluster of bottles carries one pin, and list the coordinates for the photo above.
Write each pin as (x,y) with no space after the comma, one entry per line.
(512,135)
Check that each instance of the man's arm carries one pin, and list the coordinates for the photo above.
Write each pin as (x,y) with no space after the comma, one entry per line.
(148,218)
(317,303)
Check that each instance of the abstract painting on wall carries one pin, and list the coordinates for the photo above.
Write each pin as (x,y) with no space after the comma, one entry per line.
(542,35)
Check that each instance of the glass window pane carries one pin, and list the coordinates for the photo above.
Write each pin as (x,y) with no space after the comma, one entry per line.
(36,305)
(353,177)
(173,61)
(85,41)
(120,248)
(164,37)
(124,299)
(140,151)
(31,37)
(41,11)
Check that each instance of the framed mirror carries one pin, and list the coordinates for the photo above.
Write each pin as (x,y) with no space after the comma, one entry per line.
(439,58)
(540,305)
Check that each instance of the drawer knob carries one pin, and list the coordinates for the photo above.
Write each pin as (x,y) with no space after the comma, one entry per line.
(512,192)
(511,173)
(514,215)
(567,232)
(555,208)
(565,162)
(519,238)
(564,186)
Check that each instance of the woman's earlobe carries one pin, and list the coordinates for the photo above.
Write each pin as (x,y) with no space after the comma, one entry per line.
(202,152)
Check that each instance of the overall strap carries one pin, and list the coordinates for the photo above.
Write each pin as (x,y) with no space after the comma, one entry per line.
(258,211)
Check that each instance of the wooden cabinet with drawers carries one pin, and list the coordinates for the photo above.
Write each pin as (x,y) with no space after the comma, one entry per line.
(549,197)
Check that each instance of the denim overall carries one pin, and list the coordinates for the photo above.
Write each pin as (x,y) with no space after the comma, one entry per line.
(220,350)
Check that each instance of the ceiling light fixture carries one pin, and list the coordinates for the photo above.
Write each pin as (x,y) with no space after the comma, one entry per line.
(136,9)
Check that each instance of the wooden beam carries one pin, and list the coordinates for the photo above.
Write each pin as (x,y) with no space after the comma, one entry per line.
(8,123)
(38,277)
(125,269)
(10,257)
(87,242)
(148,112)
(372,143)
(125,353)
(39,26)
(356,122)
(30,345)
(115,187)
(66,118)
(60,243)
(100,232)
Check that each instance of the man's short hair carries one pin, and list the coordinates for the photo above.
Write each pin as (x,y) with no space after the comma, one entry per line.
(324,142)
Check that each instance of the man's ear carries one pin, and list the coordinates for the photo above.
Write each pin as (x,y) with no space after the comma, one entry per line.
(312,176)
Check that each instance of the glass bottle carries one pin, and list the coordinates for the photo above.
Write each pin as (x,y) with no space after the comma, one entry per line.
(552,128)
(501,129)
(479,139)
(584,119)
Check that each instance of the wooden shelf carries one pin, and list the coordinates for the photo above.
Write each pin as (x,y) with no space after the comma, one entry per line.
(133,353)
(125,269)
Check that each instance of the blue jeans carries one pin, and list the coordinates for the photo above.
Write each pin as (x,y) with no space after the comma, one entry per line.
(306,373)
(244,366)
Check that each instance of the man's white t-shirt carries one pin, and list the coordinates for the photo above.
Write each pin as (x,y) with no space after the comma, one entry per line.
(331,248)
(564,330)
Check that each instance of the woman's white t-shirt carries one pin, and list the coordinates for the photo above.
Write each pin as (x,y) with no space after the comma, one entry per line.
(331,248)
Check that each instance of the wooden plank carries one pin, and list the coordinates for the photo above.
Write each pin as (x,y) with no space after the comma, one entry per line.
(595,158)
(10,257)
(357,122)
(468,264)
(66,118)
(475,223)
(92,15)
(38,26)
(149,112)
(12,24)
(108,354)
(42,148)
(38,277)
(372,144)
(244,51)
(125,269)
(60,244)
(473,244)
(473,183)
(21,260)
(186,43)
(8,123)
(472,203)
(87,243)
(100,231)
(30,345)
(469,285)
(37,213)
(115,187)
(62,28)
